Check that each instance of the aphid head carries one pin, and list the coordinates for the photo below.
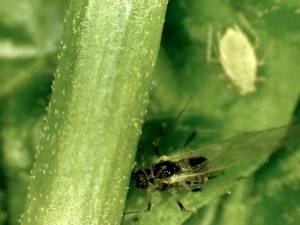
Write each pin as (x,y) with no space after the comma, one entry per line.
(141,179)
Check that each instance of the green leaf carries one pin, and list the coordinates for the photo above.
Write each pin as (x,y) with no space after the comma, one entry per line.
(29,34)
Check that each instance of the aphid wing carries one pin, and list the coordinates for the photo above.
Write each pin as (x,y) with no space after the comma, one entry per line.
(239,150)
(235,152)
(248,148)
(196,182)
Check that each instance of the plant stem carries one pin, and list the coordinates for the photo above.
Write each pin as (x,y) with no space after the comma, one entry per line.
(99,100)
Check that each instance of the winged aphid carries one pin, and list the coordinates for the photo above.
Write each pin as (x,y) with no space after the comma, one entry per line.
(193,170)
(196,169)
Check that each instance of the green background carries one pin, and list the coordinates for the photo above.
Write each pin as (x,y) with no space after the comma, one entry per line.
(29,42)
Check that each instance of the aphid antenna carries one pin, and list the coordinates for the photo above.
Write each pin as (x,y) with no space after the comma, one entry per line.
(210,46)
(190,138)
(169,128)
(186,105)
(247,25)
(142,154)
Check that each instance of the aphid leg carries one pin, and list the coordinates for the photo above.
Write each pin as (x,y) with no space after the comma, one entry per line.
(210,46)
(198,189)
(190,138)
(179,203)
(183,209)
(149,204)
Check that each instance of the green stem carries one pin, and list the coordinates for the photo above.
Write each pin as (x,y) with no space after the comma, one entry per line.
(99,100)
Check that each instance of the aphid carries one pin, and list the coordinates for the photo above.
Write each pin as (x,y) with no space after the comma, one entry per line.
(200,169)
(238,59)
(194,170)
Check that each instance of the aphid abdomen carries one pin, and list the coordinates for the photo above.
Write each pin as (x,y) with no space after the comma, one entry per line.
(196,161)
(200,179)
(168,186)
(193,163)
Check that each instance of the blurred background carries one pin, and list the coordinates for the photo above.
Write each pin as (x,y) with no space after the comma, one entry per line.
(30,33)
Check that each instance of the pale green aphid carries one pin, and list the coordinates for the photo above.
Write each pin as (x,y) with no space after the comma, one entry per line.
(238,60)
(237,57)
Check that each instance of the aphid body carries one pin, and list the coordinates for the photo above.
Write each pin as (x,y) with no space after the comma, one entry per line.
(170,174)
(238,60)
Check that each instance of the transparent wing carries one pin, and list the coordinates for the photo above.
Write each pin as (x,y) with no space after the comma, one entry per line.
(220,168)
(246,148)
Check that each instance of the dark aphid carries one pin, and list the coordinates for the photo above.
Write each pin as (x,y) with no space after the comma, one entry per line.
(193,170)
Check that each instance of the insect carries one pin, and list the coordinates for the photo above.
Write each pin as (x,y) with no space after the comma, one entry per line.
(202,168)
(195,170)
(237,57)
